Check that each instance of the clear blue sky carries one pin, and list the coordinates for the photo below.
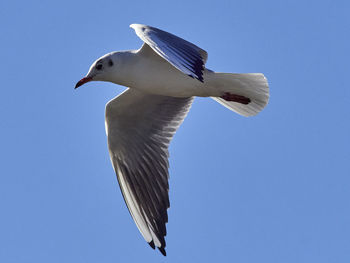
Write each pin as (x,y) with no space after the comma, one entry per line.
(272,188)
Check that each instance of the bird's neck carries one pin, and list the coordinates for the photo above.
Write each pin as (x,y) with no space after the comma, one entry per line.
(124,69)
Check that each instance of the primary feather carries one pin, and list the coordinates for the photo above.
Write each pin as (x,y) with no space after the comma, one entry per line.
(139,127)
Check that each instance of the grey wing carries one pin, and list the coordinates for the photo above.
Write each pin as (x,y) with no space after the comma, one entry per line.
(183,55)
(139,128)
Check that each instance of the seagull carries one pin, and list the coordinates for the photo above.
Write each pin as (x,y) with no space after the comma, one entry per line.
(162,79)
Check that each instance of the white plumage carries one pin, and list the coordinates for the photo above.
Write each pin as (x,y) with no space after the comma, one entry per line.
(163,77)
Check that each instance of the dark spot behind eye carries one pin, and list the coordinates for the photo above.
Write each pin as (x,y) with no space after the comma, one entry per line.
(110,63)
(99,66)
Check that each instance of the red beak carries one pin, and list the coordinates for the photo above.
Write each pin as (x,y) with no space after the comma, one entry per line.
(83,81)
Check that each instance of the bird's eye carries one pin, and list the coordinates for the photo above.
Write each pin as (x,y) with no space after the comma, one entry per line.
(99,66)
(110,63)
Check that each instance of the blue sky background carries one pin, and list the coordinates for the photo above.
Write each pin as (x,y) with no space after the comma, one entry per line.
(272,188)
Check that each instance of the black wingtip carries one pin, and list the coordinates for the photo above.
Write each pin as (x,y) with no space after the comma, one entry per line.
(200,77)
(152,244)
(162,250)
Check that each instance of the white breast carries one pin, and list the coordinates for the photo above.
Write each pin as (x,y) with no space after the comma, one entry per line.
(153,74)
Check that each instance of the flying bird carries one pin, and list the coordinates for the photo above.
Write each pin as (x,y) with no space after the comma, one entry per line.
(162,77)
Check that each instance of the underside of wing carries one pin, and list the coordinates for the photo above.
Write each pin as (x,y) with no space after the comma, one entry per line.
(183,55)
(140,127)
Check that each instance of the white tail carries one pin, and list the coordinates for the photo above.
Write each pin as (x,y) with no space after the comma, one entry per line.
(251,85)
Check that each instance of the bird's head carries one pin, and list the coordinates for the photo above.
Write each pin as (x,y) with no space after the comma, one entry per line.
(100,70)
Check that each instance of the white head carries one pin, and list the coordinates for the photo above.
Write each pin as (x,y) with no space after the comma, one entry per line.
(102,69)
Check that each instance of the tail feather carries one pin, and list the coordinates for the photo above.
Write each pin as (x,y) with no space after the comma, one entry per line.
(251,85)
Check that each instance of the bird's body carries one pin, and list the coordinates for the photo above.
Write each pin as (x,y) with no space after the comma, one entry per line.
(148,72)
(163,77)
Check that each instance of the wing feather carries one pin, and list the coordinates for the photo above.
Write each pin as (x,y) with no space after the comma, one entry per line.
(183,55)
(140,127)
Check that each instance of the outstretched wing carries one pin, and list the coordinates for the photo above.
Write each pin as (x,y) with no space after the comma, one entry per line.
(183,55)
(139,128)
